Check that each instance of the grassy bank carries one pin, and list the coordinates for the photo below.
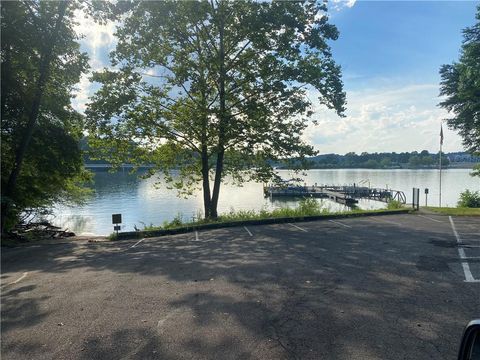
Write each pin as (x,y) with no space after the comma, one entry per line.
(306,208)
(152,231)
(455,211)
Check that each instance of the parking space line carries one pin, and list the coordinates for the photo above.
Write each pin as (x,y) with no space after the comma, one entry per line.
(461,252)
(298,227)
(468,274)
(339,223)
(248,231)
(196,235)
(429,218)
(138,242)
(18,280)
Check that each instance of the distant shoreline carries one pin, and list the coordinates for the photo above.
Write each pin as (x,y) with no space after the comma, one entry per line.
(406,167)
(451,166)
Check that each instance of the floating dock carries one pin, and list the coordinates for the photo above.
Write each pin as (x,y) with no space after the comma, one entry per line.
(347,195)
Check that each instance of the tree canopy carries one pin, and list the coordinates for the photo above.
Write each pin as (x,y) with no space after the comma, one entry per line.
(214,89)
(41,63)
(460,85)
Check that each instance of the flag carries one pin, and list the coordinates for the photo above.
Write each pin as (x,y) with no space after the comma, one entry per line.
(441,135)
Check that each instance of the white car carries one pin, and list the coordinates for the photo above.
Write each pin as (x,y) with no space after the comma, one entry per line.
(470,346)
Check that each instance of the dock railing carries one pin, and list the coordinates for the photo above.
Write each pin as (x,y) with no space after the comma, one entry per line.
(344,191)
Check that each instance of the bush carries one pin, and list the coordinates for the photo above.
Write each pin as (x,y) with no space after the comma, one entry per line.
(469,199)
(394,204)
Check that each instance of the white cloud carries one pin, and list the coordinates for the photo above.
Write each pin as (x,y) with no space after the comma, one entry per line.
(98,40)
(341,4)
(404,118)
(82,94)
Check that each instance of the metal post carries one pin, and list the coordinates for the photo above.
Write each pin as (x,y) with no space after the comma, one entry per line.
(440,193)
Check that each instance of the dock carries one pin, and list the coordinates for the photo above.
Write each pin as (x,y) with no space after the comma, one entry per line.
(347,195)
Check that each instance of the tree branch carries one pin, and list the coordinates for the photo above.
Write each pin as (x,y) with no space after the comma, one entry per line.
(232,62)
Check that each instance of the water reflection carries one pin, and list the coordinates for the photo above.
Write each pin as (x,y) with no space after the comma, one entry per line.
(141,202)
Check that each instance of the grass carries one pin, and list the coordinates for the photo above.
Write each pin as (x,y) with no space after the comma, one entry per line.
(394,204)
(306,207)
(456,211)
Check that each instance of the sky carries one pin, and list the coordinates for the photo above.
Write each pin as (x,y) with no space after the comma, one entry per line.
(390,53)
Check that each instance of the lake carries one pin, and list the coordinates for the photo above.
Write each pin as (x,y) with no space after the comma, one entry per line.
(147,201)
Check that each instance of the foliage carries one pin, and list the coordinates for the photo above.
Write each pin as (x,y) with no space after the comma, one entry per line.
(476,170)
(306,207)
(36,40)
(413,159)
(214,89)
(469,199)
(456,211)
(460,85)
(394,204)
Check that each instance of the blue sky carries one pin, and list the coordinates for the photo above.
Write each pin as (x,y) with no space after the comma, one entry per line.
(390,53)
(407,41)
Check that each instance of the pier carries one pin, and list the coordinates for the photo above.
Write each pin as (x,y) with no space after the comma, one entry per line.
(347,195)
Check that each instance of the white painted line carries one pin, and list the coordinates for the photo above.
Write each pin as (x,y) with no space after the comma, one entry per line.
(429,218)
(339,223)
(138,242)
(468,275)
(196,235)
(454,230)
(248,231)
(298,227)
(461,252)
(19,279)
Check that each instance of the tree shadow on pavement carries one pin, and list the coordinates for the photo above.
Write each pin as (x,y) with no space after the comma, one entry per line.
(328,293)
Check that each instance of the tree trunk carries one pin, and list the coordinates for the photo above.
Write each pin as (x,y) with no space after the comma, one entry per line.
(216,184)
(206,182)
(222,117)
(46,58)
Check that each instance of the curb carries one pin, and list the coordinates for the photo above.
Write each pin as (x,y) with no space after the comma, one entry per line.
(154,233)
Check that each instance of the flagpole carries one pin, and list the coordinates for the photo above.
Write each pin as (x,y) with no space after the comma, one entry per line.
(440,167)
(440,194)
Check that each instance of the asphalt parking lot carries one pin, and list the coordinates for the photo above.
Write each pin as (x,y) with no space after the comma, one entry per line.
(388,287)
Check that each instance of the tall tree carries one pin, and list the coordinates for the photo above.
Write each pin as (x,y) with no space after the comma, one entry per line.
(214,89)
(41,63)
(460,85)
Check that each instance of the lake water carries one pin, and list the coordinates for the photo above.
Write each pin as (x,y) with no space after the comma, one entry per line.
(141,202)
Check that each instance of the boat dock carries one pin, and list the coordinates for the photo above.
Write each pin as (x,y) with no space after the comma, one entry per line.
(347,195)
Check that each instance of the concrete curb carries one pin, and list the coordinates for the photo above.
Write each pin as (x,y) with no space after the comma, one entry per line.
(155,233)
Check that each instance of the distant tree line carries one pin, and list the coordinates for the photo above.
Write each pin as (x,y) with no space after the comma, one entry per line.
(385,160)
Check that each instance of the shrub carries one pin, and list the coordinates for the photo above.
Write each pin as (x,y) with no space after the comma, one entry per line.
(470,199)
(394,204)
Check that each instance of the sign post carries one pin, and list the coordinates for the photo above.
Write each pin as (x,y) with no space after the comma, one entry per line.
(416,198)
(426,195)
(116,220)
